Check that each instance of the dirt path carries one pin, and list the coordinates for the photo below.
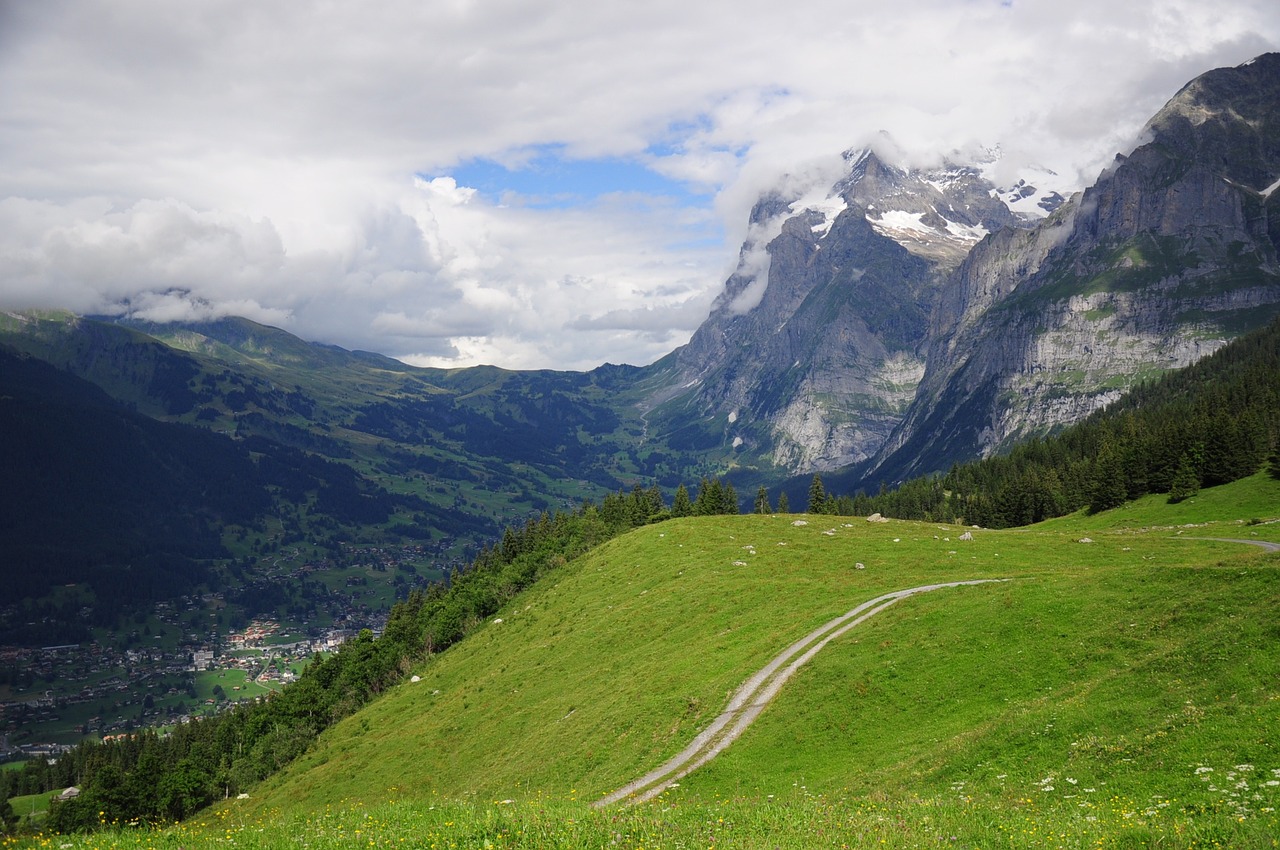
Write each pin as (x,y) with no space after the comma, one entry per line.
(1265,544)
(754,694)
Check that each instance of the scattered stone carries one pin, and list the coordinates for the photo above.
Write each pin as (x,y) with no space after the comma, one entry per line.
(877,518)
(739,563)
(416,679)
(859,566)
(497,620)
(1086,540)
(800,522)
(966,536)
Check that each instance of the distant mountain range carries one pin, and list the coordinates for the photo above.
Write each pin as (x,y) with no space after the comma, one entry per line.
(898,322)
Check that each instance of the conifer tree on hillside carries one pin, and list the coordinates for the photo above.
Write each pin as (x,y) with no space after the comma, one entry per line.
(1186,481)
(762,501)
(715,497)
(710,498)
(1109,490)
(784,504)
(681,505)
(817,496)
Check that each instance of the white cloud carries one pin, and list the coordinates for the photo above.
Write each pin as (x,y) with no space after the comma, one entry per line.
(262,158)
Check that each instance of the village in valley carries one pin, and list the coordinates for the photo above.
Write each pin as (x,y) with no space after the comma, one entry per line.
(198,655)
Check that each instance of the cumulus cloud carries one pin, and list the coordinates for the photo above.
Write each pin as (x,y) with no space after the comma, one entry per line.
(294,162)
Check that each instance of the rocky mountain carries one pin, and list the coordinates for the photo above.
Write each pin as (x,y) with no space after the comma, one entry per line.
(814,350)
(1170,254)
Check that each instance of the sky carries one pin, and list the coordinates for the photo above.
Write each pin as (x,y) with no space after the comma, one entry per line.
(556,184)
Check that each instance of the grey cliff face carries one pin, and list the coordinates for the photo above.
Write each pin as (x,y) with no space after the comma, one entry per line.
(815,347)
(1171,253)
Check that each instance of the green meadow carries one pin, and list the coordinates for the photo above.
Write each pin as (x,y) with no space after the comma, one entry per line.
(1120,689)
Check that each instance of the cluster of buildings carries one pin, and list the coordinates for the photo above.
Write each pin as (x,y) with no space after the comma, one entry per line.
(65,692)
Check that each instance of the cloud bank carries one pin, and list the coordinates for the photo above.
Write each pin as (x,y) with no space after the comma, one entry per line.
(300,163)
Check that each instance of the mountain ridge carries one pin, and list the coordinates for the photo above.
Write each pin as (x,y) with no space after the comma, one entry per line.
(1165,258)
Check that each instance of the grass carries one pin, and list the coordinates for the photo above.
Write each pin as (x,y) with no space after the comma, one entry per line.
(33,806)
(1118,693)
(795,821)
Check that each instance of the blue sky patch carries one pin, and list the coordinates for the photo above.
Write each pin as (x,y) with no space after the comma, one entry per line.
(549,180)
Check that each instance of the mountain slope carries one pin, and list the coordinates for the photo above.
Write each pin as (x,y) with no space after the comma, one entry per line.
(135,509)
(1170,254)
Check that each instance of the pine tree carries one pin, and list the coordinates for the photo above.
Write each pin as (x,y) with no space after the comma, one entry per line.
(710,498)
(1273,465)
(681,505)
(729,500)
(762,501)
(1186,481)
(784,504)
(817,496)
(1109,490)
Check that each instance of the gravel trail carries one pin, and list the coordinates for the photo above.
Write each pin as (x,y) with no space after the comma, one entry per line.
(754,694)
(1265,544)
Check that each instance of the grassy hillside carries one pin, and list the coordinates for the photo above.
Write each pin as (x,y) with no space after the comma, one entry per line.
(1127,665)
(1119,692)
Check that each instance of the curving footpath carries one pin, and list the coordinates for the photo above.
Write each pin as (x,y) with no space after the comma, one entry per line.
(1265,544)
(754,694)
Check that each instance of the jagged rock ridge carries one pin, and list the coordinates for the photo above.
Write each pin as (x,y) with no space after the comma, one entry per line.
(815,347)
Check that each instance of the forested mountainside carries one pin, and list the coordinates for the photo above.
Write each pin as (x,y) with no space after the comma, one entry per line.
(1211,423)
(138,510)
